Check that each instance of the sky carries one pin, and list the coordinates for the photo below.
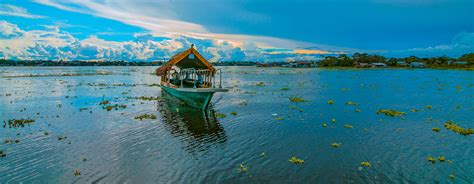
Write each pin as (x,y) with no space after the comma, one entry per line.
(233,30)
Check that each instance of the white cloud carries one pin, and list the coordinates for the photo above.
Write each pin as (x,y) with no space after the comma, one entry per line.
(10,10)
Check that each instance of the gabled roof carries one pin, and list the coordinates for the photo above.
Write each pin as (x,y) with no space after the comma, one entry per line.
(182,60)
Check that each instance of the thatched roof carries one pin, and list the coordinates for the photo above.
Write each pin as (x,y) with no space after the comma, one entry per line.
(182,60)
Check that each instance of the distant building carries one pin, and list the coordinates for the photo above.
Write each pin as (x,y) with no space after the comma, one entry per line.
(417,65)
(378,65)
(402,63)
(362,65)
(460,63)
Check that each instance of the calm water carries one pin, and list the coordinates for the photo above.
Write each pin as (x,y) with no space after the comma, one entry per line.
(186,146)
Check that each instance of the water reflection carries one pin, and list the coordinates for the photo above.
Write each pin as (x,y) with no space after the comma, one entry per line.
(199,130)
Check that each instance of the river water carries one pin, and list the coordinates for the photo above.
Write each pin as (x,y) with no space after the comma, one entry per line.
(262,129)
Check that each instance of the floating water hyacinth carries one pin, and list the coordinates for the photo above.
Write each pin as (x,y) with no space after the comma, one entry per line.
(233,113)
(348,126)
(220,115)
(279,118)
(297,99)
(351,103)
(435,129)
(146,98)
(145,116)
(18,122)
(285,89)
(333,120)
(260,84)
(431,159)
(295,160)
(455,128)
(324,125)
(441,159)
(366,164)
(414,110)
(2,154)
(429,107)
(77,173)
(336,145)
(451,177)
(330,102)
(242,168)
(390,112)
(263,154)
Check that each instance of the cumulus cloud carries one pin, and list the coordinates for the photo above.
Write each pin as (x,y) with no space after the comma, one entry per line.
(10,10)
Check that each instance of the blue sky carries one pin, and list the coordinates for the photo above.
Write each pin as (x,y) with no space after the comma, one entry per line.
(258,30)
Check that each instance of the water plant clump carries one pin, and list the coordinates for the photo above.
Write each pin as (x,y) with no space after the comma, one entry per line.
(145,116)
(104,102)
(336,145)
(146,98)
(297,99)
(260,84)
(348,126)
(330,102)
(233,113)
(435,129)
(242,168)
(77,173)
(457,129)
(431,159)
(295,160)
(220,115)
(351,103)
(390,112)
(17,123)
(366,164)
(2,154)
(324,125)
(441,158)
(429,107)
(285,89)
(116,107)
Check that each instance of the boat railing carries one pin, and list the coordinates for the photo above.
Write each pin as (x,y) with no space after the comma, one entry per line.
(205,77)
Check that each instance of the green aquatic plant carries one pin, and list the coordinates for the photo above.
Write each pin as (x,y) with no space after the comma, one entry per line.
(357,110)
(219,115)
(17,123)
(260,84)
(351,103)
(145,116)
(348,126)
(60,138)
(333,120)
(451,177)
(330,102)
(146,98)
(104,102)
(233,113)
(2,154)
(242,168)
(336,145)
(279,118)
(441,159)
(455,128)
(414,110)
(77,173)
(429,107)
(295,160)
(324,125)
(285,89)
(431,159)
(390,112)
(366,164)
(297,99)
(263,154)
(435,129)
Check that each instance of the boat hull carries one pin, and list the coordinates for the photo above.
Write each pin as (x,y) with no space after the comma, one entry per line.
(195,98)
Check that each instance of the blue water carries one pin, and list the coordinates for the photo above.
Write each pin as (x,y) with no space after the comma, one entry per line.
(187,146)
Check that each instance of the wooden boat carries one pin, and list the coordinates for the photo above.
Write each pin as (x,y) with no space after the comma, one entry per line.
(191,78)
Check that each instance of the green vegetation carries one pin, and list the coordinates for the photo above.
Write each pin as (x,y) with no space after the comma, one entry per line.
(2,154)
(17,123)
(435,129)
(242,168)
(348,126)
(151,98)
(330,102)
(366,164)
(285,89)
(260,84)
(145,116)
(336,145)
(295,160)
(219,115)
(343,60)
(233,113)
(431,159)
(390,112)
(455,128)
(77,173)
(297,99)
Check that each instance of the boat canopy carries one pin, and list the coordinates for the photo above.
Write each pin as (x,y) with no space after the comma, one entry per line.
(189,58)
